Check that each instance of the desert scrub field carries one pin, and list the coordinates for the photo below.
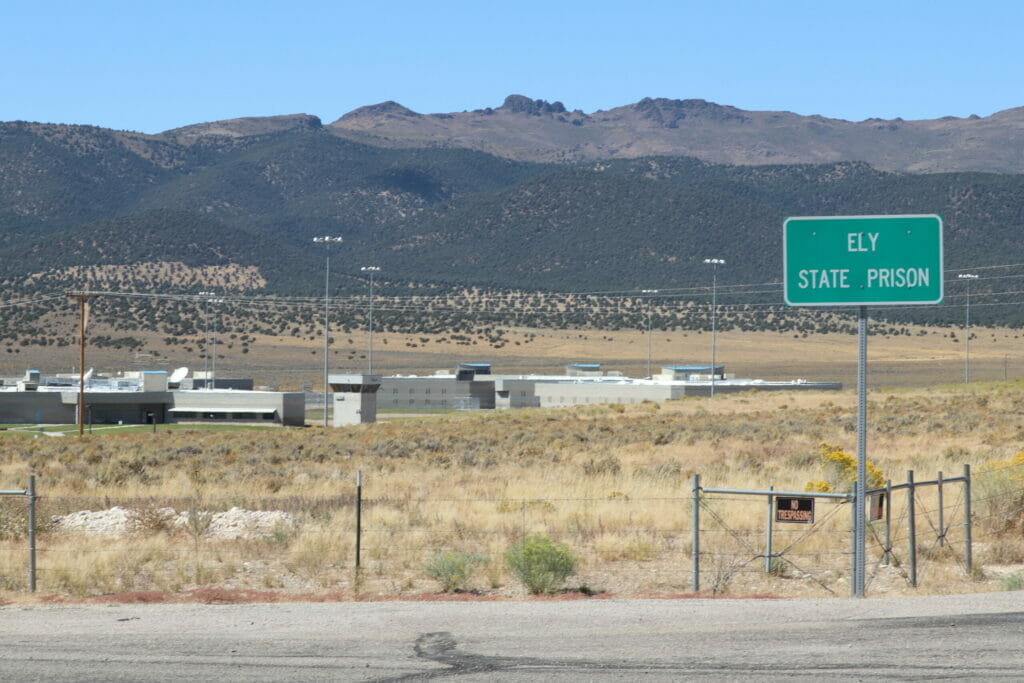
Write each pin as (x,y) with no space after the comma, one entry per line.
(611,483)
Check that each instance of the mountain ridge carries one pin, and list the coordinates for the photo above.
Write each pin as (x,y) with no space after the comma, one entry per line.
(537,130)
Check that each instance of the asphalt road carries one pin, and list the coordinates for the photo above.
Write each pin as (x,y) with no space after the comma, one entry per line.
(921,638)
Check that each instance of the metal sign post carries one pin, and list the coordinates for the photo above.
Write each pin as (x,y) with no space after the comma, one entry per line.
(861,261)
(862,452)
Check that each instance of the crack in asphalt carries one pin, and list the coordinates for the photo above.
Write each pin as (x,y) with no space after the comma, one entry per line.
(442,648)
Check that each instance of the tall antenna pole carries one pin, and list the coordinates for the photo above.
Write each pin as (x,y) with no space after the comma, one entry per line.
(82,304)
(213,366)
(648,292)
(369,362)
(369,354)
(206,337)
(715,262)
(326,240)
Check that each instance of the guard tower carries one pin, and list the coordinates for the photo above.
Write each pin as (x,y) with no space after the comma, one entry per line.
(354,398)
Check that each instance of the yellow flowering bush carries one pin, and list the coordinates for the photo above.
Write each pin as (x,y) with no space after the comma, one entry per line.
(841,471)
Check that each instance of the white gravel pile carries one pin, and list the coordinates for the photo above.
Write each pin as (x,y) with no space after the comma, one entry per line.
(233,524)
(239,523)
(112,522)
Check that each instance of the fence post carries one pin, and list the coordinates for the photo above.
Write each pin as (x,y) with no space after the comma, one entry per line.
(911,528)
(32,533)
(768,535)
(887,550)
(968,559)
(359,515)
(695,535)
(942,524)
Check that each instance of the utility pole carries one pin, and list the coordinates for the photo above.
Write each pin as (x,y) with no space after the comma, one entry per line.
(83,304)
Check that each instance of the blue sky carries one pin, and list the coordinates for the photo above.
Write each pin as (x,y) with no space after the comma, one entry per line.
(151,66)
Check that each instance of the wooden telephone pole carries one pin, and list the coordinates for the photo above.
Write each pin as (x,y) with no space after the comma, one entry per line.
(83,303)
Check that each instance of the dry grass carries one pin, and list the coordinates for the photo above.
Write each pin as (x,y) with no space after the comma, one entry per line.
(612,483)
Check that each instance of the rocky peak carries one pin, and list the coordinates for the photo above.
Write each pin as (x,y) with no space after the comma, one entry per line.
(520,104)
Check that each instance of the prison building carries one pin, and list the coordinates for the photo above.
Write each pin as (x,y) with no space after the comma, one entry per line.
(139,398)
(470,387)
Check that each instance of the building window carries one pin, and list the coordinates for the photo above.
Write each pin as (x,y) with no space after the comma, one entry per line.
(427,392)
(444,391)
(395,390)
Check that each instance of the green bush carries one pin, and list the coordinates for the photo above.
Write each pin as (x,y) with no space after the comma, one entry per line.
(540,564)
(453,568)
(1012,582)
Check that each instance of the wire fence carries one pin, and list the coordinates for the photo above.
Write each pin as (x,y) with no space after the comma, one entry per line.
(623,544)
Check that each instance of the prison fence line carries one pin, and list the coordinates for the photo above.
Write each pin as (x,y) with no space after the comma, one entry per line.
(616,533)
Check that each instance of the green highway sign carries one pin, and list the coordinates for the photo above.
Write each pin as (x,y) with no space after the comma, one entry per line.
(862,260)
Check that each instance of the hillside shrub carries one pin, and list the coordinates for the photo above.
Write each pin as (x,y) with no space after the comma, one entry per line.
(453,568)
(540,564)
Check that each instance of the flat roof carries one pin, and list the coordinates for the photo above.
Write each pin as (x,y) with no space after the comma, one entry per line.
(204,409)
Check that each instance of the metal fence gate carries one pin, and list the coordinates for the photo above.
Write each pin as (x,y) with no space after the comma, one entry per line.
(728,537)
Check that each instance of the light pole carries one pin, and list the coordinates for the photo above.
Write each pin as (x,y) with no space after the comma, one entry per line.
(967,326)
(714,262)
(206,339)
(327,241)
(213,345)
(649,292)
(369,356)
